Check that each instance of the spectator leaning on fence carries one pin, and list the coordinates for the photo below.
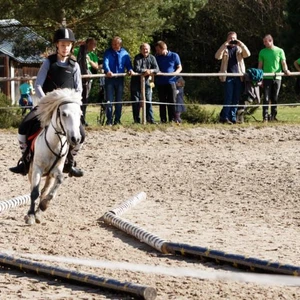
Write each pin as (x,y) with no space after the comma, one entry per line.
(271,59)
(115,60)
(297,84)
(88,62)
(297,64)
(168,62)
(145,64)
(232,54)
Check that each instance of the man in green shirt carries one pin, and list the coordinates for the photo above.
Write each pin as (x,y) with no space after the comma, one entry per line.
(271,59)
(88,62)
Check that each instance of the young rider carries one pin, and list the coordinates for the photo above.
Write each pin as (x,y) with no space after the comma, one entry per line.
(59,70)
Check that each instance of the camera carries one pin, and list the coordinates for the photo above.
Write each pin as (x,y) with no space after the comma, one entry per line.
(233,42)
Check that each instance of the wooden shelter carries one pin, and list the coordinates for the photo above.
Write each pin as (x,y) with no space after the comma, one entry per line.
(13,62)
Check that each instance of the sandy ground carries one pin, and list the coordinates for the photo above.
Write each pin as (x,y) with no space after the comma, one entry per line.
(230,189)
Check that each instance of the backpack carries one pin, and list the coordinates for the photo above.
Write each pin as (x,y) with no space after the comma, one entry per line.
(256,75)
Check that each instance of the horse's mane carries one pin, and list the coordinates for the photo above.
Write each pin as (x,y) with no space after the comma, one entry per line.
(49,103)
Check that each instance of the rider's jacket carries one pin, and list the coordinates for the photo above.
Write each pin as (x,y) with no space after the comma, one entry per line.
(59,76)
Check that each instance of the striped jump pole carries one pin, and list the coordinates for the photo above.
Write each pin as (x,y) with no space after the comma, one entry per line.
(14,202)
(123,207)
(235,260)
(238,261)
(139,233)
(135,290)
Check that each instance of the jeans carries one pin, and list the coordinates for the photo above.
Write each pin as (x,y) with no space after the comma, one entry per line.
(136,96)
(166,94)
(232,91)
(114,88)
(271,92)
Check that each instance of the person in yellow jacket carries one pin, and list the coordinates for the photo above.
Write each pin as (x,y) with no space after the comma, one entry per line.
(232,53)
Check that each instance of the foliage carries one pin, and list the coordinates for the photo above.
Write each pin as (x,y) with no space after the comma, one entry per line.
(290,34)
(198,114)
(175,12)
(8,117)
(135,21)
(27,44)
(22,46)
(197,39)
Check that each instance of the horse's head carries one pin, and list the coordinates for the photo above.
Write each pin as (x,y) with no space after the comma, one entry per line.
(63,107)
(68,116)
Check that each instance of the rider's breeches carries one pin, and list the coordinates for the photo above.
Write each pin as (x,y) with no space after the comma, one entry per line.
(22,142)
(30,124)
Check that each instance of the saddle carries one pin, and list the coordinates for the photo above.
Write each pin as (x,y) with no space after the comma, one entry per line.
(31,139)
(29,152)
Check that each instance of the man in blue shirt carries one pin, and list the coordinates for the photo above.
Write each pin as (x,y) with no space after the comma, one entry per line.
(115,60)
(168,62)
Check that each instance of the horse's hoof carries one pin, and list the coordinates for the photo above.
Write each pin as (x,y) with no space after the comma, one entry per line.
(29,219)
(44,204)
(38,216)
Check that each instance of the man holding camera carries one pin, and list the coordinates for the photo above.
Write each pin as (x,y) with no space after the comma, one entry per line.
(232,54)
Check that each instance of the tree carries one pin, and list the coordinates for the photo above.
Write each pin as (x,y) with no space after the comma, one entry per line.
(291,32)
(197,39)
(193,28)
(134,20)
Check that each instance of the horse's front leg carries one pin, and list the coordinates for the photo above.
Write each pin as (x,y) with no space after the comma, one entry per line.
(52,184)
(35,180)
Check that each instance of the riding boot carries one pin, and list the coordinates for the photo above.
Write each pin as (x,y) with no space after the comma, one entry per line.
(23,163)
(70,164)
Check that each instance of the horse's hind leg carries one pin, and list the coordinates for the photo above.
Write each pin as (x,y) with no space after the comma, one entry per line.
(44,202)
(54,183)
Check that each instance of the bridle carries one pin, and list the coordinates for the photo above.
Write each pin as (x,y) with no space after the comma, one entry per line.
(59,132)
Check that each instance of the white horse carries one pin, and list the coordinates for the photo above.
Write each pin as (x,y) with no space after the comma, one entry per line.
(59,113)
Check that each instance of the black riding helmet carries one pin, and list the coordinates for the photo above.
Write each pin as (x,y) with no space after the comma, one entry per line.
(64,34)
